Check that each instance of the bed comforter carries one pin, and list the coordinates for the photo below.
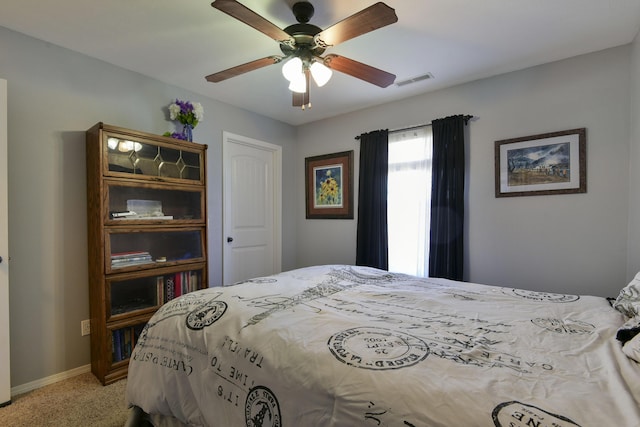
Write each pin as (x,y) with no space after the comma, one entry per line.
(356,346)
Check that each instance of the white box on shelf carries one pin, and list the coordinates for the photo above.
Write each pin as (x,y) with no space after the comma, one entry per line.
(145,207)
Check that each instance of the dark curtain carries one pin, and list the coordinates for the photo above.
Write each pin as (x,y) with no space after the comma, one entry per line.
(447,198)
(372,243)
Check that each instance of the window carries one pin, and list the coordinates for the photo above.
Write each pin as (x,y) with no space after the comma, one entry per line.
(409,200)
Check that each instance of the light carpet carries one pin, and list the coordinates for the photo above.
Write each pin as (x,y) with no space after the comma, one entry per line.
(77,401)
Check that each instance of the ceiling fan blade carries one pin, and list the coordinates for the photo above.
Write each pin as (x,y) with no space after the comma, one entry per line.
(359,70)
(252,19)
(375,16)
(241,69)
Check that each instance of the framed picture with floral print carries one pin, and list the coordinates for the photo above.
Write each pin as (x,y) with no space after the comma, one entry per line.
(329,186)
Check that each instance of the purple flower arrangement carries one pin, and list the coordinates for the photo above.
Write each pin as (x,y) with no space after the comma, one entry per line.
(189,114)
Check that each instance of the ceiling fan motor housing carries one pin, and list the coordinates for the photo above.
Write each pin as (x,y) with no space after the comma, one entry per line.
(303,11)
(302,33)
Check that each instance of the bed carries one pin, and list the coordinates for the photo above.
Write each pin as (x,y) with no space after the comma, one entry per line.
(342,345)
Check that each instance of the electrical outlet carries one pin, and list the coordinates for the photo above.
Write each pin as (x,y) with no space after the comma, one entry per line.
(85,327)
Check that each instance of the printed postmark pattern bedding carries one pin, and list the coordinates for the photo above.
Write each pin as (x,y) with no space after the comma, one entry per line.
(356,346)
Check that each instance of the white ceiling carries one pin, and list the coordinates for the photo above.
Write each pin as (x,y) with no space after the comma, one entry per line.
(181,41)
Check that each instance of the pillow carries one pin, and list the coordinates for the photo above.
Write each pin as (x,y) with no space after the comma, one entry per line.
(628,301)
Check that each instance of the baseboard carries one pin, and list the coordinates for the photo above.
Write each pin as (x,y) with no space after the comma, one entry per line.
(49,380)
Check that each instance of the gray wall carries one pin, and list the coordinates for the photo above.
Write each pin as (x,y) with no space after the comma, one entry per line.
(54,95)
(570,243)
(633,263)
(585,243)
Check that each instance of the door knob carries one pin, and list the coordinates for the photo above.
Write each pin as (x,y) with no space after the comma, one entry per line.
(229,239)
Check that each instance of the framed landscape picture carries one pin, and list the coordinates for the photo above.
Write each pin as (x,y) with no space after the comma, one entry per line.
(549,163)
(329,186)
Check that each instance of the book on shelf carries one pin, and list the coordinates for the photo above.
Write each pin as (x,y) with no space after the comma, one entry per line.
(124,340)
(116,339)
(175,285)
(121,214)
(169,289)
(136,216)
(124,259)
(122,255)
(160,290)
(127,343)
(132,258)
(177,280)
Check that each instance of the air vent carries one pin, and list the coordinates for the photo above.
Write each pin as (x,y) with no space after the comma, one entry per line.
(414,80)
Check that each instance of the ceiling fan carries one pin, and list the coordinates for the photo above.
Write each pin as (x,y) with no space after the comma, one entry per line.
(302,45)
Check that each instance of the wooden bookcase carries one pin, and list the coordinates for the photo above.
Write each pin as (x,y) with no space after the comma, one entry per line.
(147,231)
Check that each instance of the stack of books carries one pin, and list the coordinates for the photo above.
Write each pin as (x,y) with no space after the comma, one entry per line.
(126,259)
(123,340)
(141,209)
(122,214)
(174,285)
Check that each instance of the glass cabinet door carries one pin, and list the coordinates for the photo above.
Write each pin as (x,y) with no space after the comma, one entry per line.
(135,294)
(134,249)
(132,202)
(151,159)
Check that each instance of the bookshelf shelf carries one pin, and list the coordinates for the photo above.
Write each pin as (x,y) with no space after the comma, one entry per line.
(147,228)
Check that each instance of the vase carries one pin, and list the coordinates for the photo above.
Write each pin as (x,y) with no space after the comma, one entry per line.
(187,132)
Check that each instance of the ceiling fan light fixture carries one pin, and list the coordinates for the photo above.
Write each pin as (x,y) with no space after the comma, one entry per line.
(299,84)
(321,73)
(292,69)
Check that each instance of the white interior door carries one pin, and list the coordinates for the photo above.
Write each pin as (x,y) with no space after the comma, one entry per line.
(5,372)
(251,208)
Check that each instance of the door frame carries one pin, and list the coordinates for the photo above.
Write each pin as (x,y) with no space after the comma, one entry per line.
(229,138)
(5,351)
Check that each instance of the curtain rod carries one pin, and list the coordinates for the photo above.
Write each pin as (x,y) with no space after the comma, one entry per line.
(466,120)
